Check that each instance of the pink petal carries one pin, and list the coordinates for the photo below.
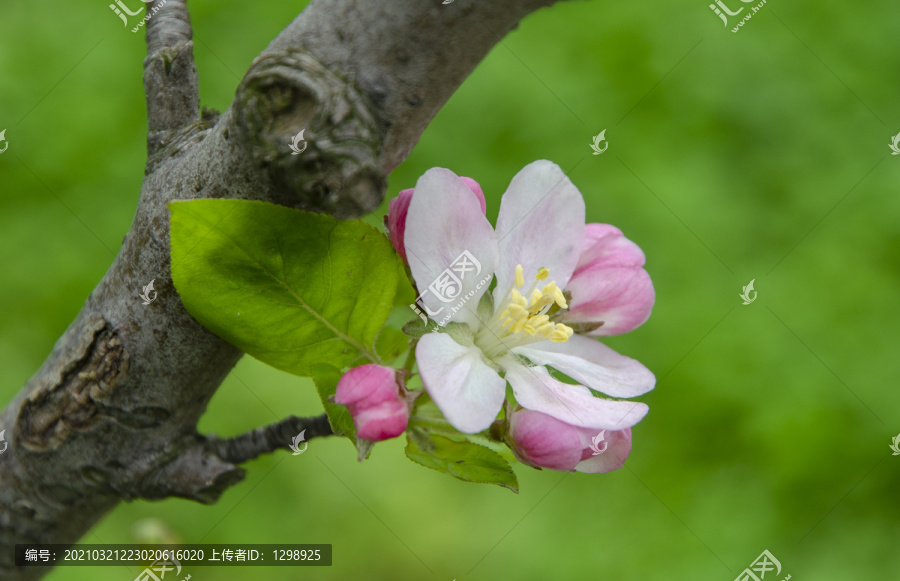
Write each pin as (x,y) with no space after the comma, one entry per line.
(445,226)
(367,385)
(386,420)
(593,364)
(541,224)
(544,441)
(464,388)
(619,297)
(536,390)
(609,284)
(476,189)
(613,458)
(396,220)
(605,246)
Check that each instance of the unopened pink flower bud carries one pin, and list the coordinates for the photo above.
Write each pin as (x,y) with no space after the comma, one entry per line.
(399,206)
(376,399)
(609,287)
(543,441)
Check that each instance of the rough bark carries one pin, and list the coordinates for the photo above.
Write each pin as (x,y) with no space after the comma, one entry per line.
(112,413)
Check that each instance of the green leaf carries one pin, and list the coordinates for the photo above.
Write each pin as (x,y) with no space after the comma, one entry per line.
(463,460)
(289,287)
(390,344)
(417,328)
(326,379)
(429,419)
(406,294)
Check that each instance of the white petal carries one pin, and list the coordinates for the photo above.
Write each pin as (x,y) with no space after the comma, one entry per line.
(467,391)
(594,364)
(536,390)
(541,224)
(450,246)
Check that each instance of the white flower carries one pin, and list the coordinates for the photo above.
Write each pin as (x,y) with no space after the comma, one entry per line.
(533,254)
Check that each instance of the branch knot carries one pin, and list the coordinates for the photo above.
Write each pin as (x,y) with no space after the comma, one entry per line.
(290,91)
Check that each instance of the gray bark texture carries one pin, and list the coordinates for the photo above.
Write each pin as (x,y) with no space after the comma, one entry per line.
(112,413)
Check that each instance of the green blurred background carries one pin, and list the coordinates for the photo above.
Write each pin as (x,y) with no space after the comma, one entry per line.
(758,155)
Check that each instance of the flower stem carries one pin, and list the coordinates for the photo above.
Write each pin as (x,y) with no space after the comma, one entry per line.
(411,358)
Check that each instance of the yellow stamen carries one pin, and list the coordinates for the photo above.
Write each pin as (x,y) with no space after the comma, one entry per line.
(516,311)
(516,298)
(560,298)
(561,333)
(538,320)
(525,315)
(545,330)
(519,326)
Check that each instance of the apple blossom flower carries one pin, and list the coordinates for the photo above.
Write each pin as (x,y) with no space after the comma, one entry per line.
(376,398)
(543,441)
(517,329)
(395,221)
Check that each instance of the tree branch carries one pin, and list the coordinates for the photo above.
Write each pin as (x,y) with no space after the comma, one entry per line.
(203,470)
(267,439)
(112,413)
(170,77)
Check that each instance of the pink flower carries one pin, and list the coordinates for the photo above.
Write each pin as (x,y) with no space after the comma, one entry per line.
(542,441)
(515,330)
(399,207)
(376,399)
(611,291)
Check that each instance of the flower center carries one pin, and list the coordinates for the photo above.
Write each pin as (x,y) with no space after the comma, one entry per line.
(521,319)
